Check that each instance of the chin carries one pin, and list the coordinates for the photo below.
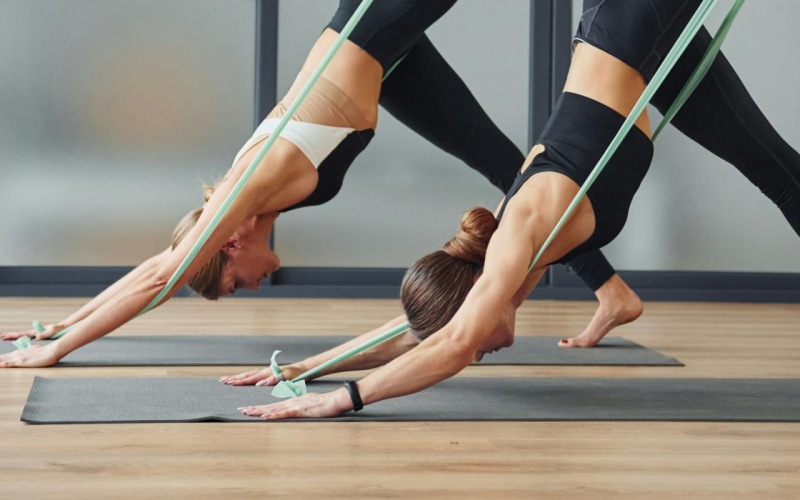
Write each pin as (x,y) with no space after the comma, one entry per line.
(276,263)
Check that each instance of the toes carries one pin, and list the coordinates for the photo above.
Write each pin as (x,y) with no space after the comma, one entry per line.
(578,342)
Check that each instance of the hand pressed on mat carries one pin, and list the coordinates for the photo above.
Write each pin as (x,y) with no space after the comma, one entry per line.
(32,357)
(260,377)
(311,405)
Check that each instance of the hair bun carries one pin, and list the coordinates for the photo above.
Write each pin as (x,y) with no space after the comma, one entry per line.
(477,226)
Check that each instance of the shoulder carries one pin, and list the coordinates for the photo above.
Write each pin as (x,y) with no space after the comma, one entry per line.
(284,175)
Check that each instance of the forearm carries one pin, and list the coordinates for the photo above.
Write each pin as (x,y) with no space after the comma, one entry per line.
(453,348)
(409,373)
(447,351)
(112,314)
(435,359)
(376,356)
(121,284)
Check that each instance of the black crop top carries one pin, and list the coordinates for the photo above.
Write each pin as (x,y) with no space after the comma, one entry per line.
(575,137)
(332,169)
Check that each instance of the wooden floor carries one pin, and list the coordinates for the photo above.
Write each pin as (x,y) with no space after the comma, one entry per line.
(472,459)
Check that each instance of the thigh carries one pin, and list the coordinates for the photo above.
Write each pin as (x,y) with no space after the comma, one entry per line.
(389,28)
(426,94)
(722,116)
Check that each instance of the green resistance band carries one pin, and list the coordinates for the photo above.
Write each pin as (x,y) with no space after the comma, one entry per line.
(669,61)
(25,342)
(296,387)
(700,72)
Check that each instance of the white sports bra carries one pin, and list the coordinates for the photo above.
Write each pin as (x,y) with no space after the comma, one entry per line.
(314,140)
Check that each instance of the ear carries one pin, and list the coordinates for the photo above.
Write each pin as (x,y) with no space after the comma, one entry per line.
(231,247)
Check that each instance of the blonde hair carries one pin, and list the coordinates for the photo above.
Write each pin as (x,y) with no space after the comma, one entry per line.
(436,285)
(206,281)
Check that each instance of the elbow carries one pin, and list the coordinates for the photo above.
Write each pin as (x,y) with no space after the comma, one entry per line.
(461,350)
(155,279)
(152,285)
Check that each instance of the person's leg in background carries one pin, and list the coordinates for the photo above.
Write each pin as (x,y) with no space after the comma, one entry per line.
(425,94)
(721,116)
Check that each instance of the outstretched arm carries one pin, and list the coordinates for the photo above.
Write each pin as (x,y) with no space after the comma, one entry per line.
(91,306)
(501,288)
(446,352)
(455,347)
(371,358)
(141,289)
(131,298)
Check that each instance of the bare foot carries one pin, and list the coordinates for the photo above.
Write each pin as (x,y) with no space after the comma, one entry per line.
(618,305)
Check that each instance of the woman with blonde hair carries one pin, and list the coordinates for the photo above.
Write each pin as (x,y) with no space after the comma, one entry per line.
(304,167)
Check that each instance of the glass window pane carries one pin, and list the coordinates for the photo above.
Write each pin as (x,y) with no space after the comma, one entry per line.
(403,197)
(111,112)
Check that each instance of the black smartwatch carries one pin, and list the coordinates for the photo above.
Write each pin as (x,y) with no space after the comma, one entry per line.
(355,397)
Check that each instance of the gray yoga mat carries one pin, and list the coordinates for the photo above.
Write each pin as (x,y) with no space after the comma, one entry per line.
(226,350)
(132,400)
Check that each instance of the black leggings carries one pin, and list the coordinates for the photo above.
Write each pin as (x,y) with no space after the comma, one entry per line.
(389,28)
(720,115)
(425,94)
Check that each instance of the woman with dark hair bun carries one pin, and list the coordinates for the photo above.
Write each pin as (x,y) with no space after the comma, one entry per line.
(464,306)
(434,288)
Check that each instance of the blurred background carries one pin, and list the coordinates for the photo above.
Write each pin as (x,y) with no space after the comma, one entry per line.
(113,113)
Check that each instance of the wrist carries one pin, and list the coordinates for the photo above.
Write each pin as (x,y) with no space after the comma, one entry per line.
(58,349)
(342,400)
(291,371)
(52,352)
(356,403)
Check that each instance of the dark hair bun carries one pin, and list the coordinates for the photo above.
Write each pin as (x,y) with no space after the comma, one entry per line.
(477,226)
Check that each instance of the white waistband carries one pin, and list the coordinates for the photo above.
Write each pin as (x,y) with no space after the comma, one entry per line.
(314,140)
